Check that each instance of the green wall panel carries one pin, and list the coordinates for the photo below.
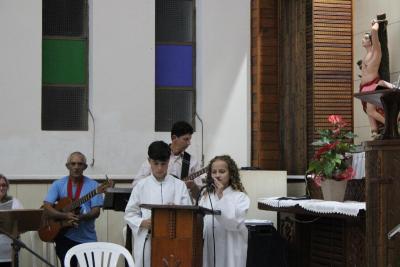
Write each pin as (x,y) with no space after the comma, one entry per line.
(64,61)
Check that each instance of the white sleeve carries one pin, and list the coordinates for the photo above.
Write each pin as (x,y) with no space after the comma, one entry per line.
(194,165)
(143,172)
(233,211)
(16,205)
(185,197)
(133,214)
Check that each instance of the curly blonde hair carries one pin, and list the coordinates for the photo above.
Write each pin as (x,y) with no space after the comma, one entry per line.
(234,176)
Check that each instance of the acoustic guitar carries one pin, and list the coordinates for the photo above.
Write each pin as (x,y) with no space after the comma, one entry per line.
(51,227)
(195,174)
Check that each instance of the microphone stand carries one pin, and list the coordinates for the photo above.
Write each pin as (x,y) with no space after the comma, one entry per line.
(17,245)
(393,232)
(201,190)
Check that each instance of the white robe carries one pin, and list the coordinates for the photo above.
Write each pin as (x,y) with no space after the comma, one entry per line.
(230,231)
(150,191)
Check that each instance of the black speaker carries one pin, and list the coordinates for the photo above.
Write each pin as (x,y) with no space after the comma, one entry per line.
(265,246)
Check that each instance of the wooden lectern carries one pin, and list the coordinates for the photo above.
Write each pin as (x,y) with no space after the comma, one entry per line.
(389,100)
(177,235)
(15,222)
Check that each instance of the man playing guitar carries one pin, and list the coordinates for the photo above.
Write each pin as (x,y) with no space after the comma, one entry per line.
(81,221)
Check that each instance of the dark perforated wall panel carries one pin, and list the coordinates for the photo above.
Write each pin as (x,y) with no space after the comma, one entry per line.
(64,17)
(173,106)
(174,21)
(64,108)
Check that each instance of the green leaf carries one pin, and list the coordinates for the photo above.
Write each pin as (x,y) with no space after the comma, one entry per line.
(314,166)
(328,168)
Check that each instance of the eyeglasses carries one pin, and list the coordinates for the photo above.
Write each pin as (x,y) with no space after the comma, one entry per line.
(76,163)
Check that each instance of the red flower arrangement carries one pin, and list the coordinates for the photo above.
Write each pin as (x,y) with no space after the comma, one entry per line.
(334,147)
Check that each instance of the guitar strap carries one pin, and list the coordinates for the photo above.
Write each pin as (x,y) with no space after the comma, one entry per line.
(185,165)
(78,189)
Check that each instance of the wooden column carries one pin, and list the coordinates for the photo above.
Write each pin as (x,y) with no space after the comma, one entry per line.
(382,162)
(265,140)
(293,86)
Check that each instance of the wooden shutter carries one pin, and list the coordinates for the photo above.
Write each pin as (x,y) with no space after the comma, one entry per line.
(329,64)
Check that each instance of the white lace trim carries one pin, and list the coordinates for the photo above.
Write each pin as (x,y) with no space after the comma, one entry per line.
(350,208)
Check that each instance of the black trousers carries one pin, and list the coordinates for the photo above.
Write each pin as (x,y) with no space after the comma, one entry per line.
(63,244)
(5,264)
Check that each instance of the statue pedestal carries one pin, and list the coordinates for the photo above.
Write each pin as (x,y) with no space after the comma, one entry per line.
(389,100)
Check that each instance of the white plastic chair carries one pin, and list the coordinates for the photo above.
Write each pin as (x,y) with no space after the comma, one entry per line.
(98,254)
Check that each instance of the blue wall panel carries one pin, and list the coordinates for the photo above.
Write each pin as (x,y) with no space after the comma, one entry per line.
(174,65)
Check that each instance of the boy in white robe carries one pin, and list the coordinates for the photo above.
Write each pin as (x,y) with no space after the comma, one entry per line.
(227,230)
(158,188)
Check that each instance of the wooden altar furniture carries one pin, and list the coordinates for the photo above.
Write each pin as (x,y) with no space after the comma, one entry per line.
(316,239)
(382,161)
(389,100)
(15,222)
(177,235)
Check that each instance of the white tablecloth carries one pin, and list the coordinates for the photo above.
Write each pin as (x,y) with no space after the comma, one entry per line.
(351,208)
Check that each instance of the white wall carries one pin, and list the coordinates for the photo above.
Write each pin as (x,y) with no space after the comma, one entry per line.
(364,12)
(262,184)
(224,76)
(121,90)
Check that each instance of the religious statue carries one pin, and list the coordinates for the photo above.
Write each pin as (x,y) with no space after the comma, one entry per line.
(375,70)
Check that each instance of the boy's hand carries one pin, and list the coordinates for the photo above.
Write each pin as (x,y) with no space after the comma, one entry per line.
(146,224)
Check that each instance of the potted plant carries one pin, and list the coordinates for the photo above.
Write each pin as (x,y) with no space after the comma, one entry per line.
(331,163)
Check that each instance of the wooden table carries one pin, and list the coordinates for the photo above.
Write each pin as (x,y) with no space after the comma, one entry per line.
(316,239)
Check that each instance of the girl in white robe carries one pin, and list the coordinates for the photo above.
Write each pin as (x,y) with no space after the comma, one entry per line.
(227,230)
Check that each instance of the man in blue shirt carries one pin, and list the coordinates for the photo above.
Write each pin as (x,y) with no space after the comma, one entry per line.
(81,226)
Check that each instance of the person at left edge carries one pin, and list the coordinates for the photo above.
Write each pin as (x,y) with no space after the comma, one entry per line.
(7,202)
(74,186)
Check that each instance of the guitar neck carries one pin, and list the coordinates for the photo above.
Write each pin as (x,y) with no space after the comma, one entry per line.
(195,174)
(75,204)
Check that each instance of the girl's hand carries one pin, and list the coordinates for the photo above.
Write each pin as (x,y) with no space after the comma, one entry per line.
(219,188)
